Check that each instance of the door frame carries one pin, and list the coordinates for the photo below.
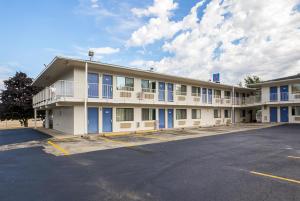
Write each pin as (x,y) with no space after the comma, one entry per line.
(159,119)
(111,120)
(171,109)
(97,108)
(281,116)
(271,114)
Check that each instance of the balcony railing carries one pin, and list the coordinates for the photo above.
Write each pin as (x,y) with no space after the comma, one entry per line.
(107,91)
(273,97)
(93,90)
(58,90)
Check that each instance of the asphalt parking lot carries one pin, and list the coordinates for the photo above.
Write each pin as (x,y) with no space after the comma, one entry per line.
(262,164)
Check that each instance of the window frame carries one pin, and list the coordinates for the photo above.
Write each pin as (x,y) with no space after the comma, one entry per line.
(151,86)
(180,115)
(120,118)
(228,113)
(180,91)
(196,113)
(218,116)
(198,91)
(295,92)
(295,111)
(125,87)
(151,115)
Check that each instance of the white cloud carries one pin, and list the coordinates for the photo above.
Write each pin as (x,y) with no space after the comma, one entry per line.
(105,50)
(266,35)
(94,4)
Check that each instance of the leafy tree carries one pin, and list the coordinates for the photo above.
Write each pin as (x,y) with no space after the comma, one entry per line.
(16,99)
(251,80)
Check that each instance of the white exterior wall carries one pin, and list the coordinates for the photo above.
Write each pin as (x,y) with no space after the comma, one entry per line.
(63,119)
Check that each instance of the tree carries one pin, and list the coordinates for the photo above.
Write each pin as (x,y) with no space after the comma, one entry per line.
(16,99)
(251,80)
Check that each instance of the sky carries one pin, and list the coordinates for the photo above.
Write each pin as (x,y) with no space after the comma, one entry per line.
(193,38)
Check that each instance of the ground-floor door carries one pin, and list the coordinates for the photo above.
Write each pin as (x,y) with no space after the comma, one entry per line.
(162,118)
(284,114)
(107,120)
(273,114)
(93,120)
(170,118)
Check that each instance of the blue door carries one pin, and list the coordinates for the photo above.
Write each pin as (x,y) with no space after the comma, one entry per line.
(170,118)
(284,93)
(170,92)
(273,94)
(161,91)
(107,119)
(284,114)
(204,95)
(209,96)
(161,118)
(107,86)
(93,120)
(273,114)
(93,80)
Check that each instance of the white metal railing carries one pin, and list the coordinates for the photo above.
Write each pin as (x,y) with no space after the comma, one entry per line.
(273,97)
(93,90)
(247,100)
(107,91)
(60,89)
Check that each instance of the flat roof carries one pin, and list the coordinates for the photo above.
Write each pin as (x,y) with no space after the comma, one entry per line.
(59,65)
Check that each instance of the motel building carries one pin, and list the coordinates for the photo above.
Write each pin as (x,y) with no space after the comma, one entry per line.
(86,97)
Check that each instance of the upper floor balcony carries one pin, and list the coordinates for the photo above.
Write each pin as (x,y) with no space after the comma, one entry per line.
(283,97)
(70,91)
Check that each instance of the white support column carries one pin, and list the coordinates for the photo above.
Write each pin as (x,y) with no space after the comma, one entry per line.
(47,119)
(86,99)
(233,102)
(35,112)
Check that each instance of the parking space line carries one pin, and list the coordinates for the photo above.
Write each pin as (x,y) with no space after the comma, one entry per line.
(126,144)
(294,157)
(275,177)
(58,148)
(151,137)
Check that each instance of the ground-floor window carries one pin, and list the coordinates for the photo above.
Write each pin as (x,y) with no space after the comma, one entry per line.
(196,114)
(125,114)
(148,114)
(227,113)
(217,113)
(243,113)
(180,114)
(296,111)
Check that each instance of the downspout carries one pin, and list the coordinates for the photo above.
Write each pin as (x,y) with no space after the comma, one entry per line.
(233,102)
(86,99)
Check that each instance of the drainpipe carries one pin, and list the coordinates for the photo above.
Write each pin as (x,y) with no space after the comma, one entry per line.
(35,118)
(233,102)
(86,99)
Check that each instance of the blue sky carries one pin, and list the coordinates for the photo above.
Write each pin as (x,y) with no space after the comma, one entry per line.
(165,34)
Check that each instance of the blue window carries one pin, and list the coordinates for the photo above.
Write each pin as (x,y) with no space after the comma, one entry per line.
(161,91)
(284,93)
(209,96)
(273,94)
(107,90)
(204,95)
(93,84)
(170,92)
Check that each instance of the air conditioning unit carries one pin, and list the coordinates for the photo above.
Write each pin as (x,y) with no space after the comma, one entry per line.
(140,95)
(296,96)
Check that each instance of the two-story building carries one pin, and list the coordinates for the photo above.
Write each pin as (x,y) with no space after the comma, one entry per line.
(82,97)
(280,99)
